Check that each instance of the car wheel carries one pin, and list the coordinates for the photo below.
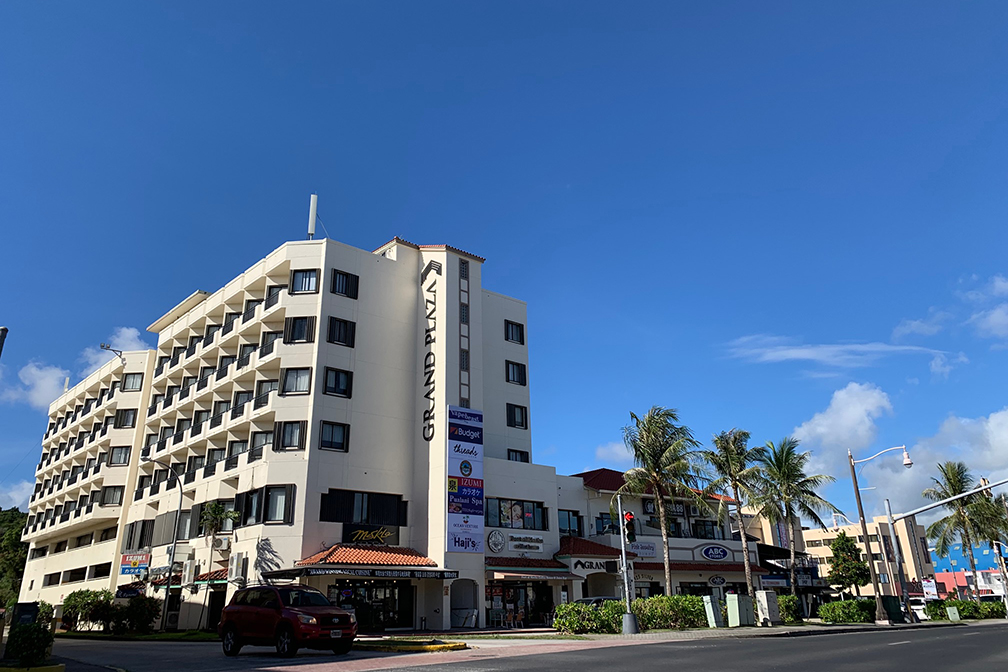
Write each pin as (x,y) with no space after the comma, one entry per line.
(230,642)
(343,647)
(286,647)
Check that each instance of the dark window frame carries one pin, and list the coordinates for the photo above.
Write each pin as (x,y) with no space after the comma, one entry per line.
(512,416)
(352,283)
(521,370)
(349,328)
(325,424)
(508,326)
(293,274)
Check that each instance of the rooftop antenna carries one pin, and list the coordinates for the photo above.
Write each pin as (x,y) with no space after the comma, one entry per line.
(312,216)
(66,384)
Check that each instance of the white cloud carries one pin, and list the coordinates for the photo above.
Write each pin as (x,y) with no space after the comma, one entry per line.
(614,453)
(123,338)
(999,286)
(16,495)
(941,366)
(763,348)
(848,423)
(992,323)
(40,385)
(928,326)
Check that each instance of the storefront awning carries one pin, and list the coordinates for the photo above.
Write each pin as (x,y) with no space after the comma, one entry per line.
(366,561)
(533,576)
(690,566)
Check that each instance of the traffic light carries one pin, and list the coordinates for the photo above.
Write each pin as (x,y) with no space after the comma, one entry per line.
(630,527)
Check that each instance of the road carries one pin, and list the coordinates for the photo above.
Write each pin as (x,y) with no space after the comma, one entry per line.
(963,649)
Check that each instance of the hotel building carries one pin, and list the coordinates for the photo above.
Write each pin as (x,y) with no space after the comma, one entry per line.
(364,419)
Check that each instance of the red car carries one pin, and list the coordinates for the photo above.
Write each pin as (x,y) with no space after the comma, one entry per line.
(288,617)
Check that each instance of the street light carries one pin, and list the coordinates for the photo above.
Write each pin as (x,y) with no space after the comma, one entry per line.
(3,337)
(880,613)
(171,555)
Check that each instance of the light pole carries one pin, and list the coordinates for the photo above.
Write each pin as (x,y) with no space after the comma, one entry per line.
(171,554)
(3,337)
(629,620)
(880,613)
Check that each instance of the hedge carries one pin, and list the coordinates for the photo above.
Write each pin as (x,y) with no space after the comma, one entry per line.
(29,643)
(935,609)
(653,613)
(789,610)
(848,611)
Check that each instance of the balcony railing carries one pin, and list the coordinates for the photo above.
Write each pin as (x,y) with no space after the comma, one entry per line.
(228,327)
(138,495)
(65,516)
(203,381)
(208,339)
(238,411)
(195,430)
(266,349)
(190,476)
(272,300)
(191,350)
(179,435)
(160,369)
(254,454)
(152,410)
(216,420)
(176,358)
(231,463)
(209,470)
(222,371)
(155,488)
(161,444)
(249,314)
(243,361)
(184,392)
(167,402)
(145,452)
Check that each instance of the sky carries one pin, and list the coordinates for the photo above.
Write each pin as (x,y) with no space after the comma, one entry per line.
(784,217)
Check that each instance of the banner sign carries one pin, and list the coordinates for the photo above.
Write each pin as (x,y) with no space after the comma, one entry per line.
(134,563)
(379,535)
(643,549)
(383,573)
(930,589)
(465,481)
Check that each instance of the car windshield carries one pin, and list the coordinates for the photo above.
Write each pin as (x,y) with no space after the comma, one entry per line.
(298,597)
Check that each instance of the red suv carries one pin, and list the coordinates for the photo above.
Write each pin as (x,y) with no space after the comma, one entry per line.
(288,617)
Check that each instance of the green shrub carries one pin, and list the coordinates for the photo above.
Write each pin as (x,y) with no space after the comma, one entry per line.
(574,618)
(967,608)
(848,611)
(665,612)
(789,610)
(45,613)
(29,644)
(935,610)
(86,606)
(609,617)
(992,610)
(141,612)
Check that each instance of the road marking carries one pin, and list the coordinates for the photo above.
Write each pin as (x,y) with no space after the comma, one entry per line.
(970,634)
(907,641)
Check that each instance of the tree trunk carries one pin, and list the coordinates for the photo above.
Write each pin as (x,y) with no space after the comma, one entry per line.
(791,543)
(968,543)
(745,542)
(664,538)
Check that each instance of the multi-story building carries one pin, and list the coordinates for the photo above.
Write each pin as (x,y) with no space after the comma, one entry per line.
(910,536)
(362,421)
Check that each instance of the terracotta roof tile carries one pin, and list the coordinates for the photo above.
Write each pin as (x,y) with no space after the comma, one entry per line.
(215,575)
(576,546)
(610,480)
(524,563)
(689,566)
(352,554)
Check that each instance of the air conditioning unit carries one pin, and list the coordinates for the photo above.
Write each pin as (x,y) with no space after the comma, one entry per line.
(173,620)
(221,543)
(188,572)
(237,566)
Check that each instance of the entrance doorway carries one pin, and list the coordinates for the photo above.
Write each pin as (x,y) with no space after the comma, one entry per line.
(463,604)
(215,605)
(378,605)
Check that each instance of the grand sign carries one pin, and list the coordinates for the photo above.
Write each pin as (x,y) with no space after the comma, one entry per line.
(428,386)
(465,481)
(378,535)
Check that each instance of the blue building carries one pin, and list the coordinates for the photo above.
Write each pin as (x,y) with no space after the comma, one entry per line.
(956,560)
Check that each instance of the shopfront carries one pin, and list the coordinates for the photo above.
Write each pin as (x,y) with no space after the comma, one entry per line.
(519,603)
(379,605)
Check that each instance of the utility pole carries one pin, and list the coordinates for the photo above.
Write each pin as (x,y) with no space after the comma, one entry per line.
(629,620)
(3,337)
(880,613)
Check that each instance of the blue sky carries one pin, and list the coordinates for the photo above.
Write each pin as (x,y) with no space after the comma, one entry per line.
(787,217)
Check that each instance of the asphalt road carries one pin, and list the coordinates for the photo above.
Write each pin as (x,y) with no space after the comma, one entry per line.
(963,649)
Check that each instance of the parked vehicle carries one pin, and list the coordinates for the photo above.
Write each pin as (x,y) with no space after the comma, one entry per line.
(287,617)
(596,601)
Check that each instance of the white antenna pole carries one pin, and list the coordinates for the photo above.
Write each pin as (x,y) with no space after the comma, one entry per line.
(312,213)
(66,384)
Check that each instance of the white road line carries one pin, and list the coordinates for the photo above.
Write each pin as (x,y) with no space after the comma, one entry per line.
(970,634)
(898,643)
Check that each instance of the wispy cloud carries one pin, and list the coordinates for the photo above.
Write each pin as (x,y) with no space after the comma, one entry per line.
(614,453)
(123,338)
(928,326)
(16,495)
(991,323)
(768,349)
(40,384)
(941,366)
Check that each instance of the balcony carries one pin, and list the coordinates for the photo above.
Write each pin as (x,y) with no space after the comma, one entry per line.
(145,452)
(155,488)
(166,404)
(238,411)
(184,392)
(138,495)
(228,327)
(177,439)
(253,455)
(250,313)
(161,445)
(203,382)
(243,361)
(216,420)
(159,370)
(176,358)
(152,410)
(191,350)
(266,349)
(190,476)
(222,372)
(209,470)
(195,430)
(231,463)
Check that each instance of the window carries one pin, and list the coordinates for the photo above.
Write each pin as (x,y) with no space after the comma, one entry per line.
(39,552)
(276,503)
(132,382)
(514,332)
(101,571)
(464,360)
(107,534)
(125,418)
(924,548)
(185,525)
(75,575)
(291,435)
(228,524)
(297,381)
(344,284)
(514,372)
(299,329)
(604,524)
(463,269)
(51,579)
(516,513)
(335,436)
(120,455)
(372,508)
(518,455)
(304,282)
(60,547)
(111,495)
(707,529)
(84,540)
(517,416)
(464,313)
(814,543)
(569,523)
(342,332)
(237,448)
(338,382)
(260,439)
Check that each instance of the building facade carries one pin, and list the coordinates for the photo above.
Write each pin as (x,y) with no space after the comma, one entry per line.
(355,420)
(912,540)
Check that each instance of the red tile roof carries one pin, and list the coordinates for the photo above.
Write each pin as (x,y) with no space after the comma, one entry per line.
(352,554)
(690,566)
(576,546)
(215,575)
(524,563)
(610,480)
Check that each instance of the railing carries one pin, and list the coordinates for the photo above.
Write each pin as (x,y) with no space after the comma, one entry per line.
(203,381)
(176,358)
(210,470)
(104,430)
(184,392)
(179,435)
(145,451)
(238,411)
(138,495)
(167,402)
(195,430)
(228,327)
(243,361)
(254,454)
(208,339)
(222,371)
(155,488)
(216,420)
(161,444)
(261,401)
(73,479)
(77,512)
(231,463)
(65,516)
(190,476)
(191,350)
(272,300)
(266,348)
(152,409)
(250,313)
(160,369)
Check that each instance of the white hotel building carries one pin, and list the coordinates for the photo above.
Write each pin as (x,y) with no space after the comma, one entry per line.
(310,395)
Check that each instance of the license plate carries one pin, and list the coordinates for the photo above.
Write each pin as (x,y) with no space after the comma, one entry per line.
(336,634)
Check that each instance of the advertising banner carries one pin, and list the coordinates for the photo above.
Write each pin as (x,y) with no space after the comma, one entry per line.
(465,481)
(134,563)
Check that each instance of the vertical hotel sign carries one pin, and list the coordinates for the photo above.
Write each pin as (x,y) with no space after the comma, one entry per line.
(465,481)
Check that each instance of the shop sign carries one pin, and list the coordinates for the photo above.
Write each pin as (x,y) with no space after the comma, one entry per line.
(427,386)
(714,552)
(930,589)
(134,563)
(128,592)
(586,566)
(717,580)
(644,577)
(526,543)
(384,573)
(496,541)
(774,581)
(465,481)
(804,580)
(378,535)
(643,549)
(674,509)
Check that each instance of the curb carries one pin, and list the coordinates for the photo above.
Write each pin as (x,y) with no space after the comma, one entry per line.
(867,628)
(409,648)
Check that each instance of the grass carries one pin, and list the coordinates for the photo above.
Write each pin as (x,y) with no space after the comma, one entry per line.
(184,636)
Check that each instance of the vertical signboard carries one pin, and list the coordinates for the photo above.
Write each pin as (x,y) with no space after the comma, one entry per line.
(465,481)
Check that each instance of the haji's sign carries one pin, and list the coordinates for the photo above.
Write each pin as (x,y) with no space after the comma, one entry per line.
(377,535)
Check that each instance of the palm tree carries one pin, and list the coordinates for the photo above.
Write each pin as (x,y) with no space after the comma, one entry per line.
(787,492)
(668,466)
(739,470)
(213,517)
(971,519)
